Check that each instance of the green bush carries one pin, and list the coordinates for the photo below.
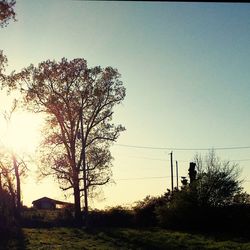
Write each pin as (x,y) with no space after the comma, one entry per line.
(179,211)
(113,217)
(145,210)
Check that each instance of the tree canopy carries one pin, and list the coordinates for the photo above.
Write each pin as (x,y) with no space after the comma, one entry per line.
(7,11)
(3,62)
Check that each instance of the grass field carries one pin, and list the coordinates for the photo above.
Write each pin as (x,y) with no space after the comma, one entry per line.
(71,238)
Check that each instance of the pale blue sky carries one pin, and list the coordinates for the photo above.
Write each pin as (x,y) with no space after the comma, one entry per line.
(185,67)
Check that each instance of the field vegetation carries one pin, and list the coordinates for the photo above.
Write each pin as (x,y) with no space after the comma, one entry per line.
(122,238)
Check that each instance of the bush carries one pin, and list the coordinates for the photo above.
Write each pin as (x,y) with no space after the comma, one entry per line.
(34,218)
(183,211)
(179,211)
(145,210)
(65,217)
(113,217)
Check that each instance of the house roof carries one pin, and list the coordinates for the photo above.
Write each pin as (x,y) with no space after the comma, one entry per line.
(52,200)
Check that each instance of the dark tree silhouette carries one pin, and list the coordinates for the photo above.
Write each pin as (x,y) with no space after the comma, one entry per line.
(12,169)
(7,213)
(192,172)
(79,103)
(7,11)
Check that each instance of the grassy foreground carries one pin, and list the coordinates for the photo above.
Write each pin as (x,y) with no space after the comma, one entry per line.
(71,238)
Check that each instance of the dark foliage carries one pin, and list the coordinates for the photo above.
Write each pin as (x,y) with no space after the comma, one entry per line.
(7,11)
(145,210)
(183,212)
(8,223)
(178,211)
(33,218)
(113,217)
(212,200)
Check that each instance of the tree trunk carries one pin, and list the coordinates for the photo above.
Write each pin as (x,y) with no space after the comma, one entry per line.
(77,201)
(85,190)
(86,209)
(18,188)
(1,188)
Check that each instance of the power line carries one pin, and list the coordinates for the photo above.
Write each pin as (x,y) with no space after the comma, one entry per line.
(241,160)
(142,178)
(182,149)
(152,177)
(147,158)
(164,160)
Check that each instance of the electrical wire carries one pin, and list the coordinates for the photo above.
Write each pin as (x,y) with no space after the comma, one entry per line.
(164,160)
(182,149)
(152,177)
(142,178)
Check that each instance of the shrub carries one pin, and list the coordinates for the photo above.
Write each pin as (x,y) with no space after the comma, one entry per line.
(179,211)
(113,217)
(145,210)
(34,218)
(183,211)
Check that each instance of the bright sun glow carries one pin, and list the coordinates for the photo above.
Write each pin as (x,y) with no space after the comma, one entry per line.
(22,133)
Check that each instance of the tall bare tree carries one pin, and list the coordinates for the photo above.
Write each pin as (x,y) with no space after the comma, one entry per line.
(79,103)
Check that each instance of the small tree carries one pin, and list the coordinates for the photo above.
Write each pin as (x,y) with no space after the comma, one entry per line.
(217,181)
(12,169)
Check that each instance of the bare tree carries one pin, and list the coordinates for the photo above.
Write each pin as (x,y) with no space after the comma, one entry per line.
(79,104)
(217,181)
(12,167)
(7,11)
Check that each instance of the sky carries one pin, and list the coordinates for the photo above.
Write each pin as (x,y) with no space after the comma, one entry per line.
(185,67)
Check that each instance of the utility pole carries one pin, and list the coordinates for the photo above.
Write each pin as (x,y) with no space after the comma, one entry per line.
(177,182)
(172,175)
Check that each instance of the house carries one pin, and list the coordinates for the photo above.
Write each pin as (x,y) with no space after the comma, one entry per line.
(51,204)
